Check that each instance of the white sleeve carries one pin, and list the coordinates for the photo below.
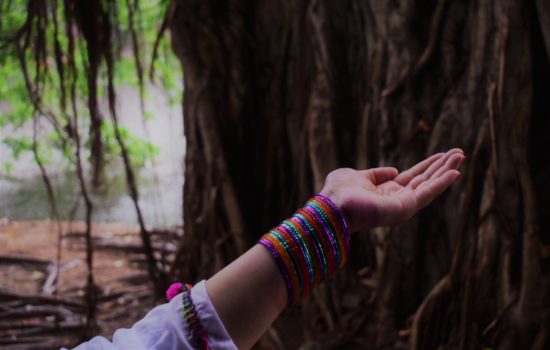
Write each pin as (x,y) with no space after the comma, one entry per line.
(163,328)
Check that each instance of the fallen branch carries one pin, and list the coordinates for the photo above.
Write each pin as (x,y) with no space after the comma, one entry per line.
(34,311)
(38,343)
(40,298)
(41,329)
(43,264)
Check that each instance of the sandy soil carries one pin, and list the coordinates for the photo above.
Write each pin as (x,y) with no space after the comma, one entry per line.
(39,240)
(28,252)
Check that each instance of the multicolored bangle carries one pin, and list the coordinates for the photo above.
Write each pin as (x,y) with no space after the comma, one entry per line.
(189,313)
(310,246)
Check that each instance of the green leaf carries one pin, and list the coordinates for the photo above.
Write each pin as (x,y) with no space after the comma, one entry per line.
(18,145)
(8,167)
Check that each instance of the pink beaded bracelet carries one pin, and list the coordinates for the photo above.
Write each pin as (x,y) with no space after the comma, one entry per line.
(189,313)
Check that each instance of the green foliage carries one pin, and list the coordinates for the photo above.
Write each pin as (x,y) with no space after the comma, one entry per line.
(18,145)
(8,167)
(17,109)
(140,151)
(23,144)
(14,14)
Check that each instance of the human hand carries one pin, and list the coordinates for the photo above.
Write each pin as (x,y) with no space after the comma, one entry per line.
(383,196)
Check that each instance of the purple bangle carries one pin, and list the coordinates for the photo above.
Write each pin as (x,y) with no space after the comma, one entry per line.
(303,249)
(341,218)
(281,266)
(334,250)
(332,227)
(293,257)
(316,245)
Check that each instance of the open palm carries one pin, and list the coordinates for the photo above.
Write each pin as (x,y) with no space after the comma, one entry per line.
(383,196)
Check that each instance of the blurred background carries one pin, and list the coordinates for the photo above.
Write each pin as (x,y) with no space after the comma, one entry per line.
(148,141)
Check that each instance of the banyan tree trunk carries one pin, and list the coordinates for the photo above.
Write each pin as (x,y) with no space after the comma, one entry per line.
(278,93)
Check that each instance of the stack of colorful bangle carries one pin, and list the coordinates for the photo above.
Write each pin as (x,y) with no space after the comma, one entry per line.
(310,246)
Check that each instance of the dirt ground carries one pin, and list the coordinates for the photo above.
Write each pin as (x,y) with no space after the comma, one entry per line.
(28,254)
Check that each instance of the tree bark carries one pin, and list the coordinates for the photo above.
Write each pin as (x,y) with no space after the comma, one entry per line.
(279,93)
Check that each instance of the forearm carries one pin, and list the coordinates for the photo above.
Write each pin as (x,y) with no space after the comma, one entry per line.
(286,265)
(248,295)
